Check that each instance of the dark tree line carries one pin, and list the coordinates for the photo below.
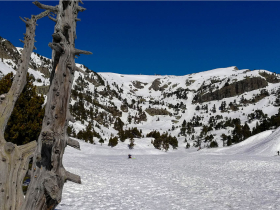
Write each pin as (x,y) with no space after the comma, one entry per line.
(162,141)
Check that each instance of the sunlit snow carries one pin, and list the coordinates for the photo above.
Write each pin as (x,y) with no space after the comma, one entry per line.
(238,177)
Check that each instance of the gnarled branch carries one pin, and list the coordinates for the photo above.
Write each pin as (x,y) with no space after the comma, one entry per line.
(42,14)
(53,9)
(53,19)
(57,47)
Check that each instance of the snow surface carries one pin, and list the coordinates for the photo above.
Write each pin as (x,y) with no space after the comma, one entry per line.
(4,69)
(244,176)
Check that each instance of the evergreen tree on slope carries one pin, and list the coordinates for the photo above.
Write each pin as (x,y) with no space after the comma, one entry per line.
(25,122)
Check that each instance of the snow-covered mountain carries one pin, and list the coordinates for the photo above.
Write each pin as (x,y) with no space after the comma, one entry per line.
(220,106)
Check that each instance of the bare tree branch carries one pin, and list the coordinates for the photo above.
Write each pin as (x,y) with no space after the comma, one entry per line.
(73,177)
(80,9)
(42,14)
(53,19)
(78,52)
(53,9)
(73,143)
(25,21)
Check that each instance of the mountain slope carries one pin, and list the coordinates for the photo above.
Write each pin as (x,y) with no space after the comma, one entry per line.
(223,105)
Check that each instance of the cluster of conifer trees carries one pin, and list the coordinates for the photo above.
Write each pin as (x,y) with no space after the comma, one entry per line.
(162,141)
(25,122)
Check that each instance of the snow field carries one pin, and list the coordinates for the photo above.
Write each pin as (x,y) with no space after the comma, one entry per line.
(182,179)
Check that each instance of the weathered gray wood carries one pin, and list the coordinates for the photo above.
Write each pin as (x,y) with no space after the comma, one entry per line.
(81,9)
(78,52)
(53,9)
(14,159)
(25,21)
(53,19)
(73,177)
(48,175)
(73,143)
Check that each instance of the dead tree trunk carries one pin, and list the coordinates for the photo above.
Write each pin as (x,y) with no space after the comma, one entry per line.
(48,174)
(14,159)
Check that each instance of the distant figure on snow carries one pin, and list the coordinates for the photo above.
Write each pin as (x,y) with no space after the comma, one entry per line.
(278,152)
(129,156)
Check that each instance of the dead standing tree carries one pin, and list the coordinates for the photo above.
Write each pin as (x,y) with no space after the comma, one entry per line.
(14,159)
(48,174)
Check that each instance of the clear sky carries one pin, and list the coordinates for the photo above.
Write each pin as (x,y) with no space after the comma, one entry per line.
(167,38)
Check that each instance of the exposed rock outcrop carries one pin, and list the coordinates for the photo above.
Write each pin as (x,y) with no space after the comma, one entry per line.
(155,85)
(44,70)
(154,111)
(271,78)
(138,84)
(233,89)
(8,51)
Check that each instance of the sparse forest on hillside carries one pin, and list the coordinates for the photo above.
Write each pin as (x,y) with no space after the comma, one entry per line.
(105,105)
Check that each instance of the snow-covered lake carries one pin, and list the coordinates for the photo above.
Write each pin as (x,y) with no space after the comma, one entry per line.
(186,179)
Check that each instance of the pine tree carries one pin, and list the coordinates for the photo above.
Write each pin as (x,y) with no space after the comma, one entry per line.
(224,138)
(184,128)
(173,141)
(214,109)
(113,141)
(223,106)
(246,131)
(214,144)
(6,83)
(101,141)
(237,133)
(25,122)
(165,144)
(129,118)
(118,125)
(131,144)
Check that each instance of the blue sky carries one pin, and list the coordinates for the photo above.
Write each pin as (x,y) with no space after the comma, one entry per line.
(167,38)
